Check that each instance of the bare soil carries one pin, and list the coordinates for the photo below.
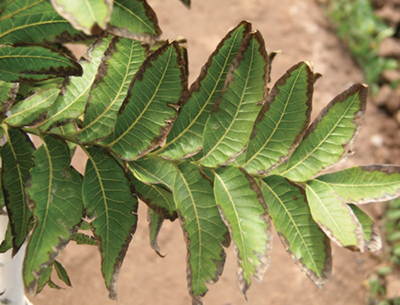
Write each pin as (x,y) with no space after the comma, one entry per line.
(300,30)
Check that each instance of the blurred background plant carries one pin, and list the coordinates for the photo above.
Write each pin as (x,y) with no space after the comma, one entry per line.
(370,30)
(363,32)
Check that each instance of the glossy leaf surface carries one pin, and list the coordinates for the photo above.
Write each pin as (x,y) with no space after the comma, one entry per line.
(329,137)
(228,128)
(204,230)
(109,202)
(186,136)
(25,63)
(27,20)
(133,19)
(307,245)
(282,121)
(16,157)
(334,216)
(72,101)
(121,61)
(148,111)
(365,184)
(84,15)
(32,108)
(55,195)
(244,212)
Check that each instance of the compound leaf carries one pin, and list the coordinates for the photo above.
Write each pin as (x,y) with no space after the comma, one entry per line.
(16,155)
(72,101)
(30,63)
(108,199)
(243,209)
(329,137)
(365,184)
(55,196)
(372,238)
(62,273)
(133,19)
(34,21)
(307,245)
(228,128)
(150,107)
(85,15)
(282,122)
(121,61)
(185,138)
(204,230)
(334,216)
(32,108)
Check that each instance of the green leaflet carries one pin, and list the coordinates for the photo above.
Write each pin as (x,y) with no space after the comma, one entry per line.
(146,115)
(62,273)
(108,199)
(228,128)
(8,92)
(133,19)
(371,234)
(121,61)
(203,228)
(307,245)
(185,138)
(155,223)
(7,242)
(365,184)
(32,108)
(29,63)
(329,137)
(244,212)
(16,157)
(154,171)
(282,121)
(157,198)
(34,21)
(55,193)
(44,279)
(334,216)
(85,15)
(72,100)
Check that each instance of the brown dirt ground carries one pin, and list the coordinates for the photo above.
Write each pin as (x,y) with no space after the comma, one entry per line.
(300,30)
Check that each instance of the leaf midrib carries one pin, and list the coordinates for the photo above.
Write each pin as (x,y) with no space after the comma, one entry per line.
(323,140)
(280,119)
(201,111)
(155,91)
(222,138)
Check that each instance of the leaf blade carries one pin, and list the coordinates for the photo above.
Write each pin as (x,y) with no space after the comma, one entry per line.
(203,229)
(244,211)
(282,121)
(108,199)
(228,128)
(16,157)
(147,113)
(185,138)
(329,137)
(55,192)
(84,15)
(334,216)
(308,246)
(133,19)
(29,62)
(110,87)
